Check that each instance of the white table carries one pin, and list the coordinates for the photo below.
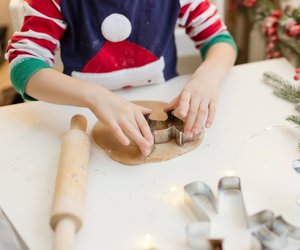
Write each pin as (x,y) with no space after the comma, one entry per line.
(126,203)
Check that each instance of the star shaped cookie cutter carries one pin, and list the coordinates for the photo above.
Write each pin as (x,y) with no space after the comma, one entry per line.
(265,231)
(166,130)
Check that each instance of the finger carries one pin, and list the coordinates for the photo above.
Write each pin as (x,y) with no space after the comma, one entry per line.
(172,105)
(184,104)
(144,127)
(211,114)
(191,117)
(133,121)
(136,136)
(118,133)
(144,110)
(201,116)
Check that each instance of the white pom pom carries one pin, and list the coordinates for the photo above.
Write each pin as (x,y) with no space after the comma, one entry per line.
(116,28)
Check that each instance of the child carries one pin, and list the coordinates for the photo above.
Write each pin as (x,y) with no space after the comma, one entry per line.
(111,44)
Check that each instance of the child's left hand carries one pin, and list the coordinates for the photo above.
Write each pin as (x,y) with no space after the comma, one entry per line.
(196,103)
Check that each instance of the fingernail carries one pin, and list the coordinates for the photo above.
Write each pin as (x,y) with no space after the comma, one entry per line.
(148,151)
(151,149)
(151,141)
(188,134)
(199,131)
(145,152)
(196,131)
(127,142)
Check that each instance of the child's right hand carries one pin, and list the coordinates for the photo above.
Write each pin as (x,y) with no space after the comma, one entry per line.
(125,119)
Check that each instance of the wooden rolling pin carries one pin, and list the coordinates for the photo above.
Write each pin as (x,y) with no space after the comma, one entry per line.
(69,197)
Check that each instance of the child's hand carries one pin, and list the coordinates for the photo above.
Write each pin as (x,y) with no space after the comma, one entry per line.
(196,103)
(125,119)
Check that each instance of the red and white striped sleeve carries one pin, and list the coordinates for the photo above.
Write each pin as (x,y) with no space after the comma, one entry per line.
(201,20)
(40,34)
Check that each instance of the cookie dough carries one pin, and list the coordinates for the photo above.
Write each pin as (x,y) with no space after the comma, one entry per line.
(131,155)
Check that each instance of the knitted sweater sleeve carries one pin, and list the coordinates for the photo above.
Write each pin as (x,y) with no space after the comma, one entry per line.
(33,47)
(203,24)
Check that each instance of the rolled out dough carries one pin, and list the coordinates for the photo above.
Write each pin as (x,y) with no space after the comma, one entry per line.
(131,155)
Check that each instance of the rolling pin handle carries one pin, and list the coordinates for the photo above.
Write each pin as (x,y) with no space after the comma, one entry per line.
(79,122)
(70,188)
(64,235)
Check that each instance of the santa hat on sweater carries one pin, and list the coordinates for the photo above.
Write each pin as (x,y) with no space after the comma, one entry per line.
(117,53)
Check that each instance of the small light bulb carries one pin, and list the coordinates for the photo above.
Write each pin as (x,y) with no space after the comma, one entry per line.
(148,242)
(229,172)
(298,199)
(148,237)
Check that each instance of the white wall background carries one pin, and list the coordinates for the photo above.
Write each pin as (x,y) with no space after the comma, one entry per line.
(294,3)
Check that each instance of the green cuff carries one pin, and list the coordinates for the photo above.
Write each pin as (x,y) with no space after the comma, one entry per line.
(22,71)
(222,38)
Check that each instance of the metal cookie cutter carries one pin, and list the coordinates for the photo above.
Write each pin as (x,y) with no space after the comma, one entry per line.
(265,231)
(9,237)
(171,128)
(296,165)
(280,236)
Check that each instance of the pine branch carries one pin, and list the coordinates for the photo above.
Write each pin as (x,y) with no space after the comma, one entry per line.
(282,87)
(275,80)
(287,94)
(294,119)
(297,106)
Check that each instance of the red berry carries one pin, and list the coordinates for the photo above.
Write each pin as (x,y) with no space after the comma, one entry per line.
(274,38)
(290,22)
(297,70)
(271,31)
(296,77)
(270,21)
(288,33)
(248,3)
(232,5)
(269,56)
(276,54)
(295,30)
(271,46)
(276,13)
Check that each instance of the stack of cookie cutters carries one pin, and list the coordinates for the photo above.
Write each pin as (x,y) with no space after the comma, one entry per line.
(267,231)
(166,130)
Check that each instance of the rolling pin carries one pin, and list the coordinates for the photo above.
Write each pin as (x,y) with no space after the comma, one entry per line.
(69,196)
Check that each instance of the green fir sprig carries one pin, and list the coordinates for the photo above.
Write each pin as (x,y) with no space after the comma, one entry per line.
(294,13)
(283,88)
(294,119)
(287,91)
